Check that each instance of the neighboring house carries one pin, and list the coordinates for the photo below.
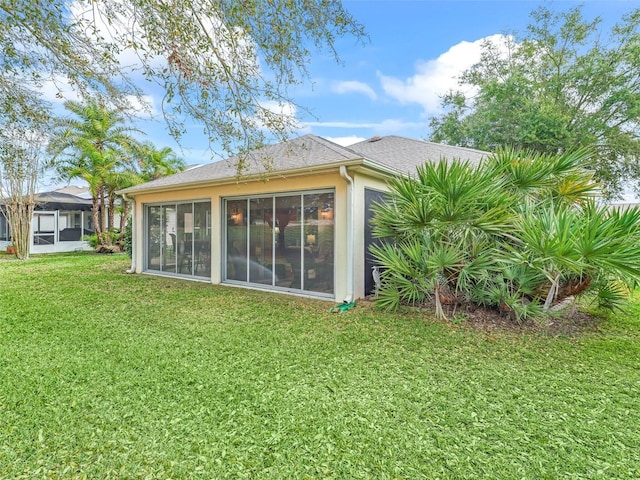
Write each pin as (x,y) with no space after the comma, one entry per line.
(627,201)
(61,218)
(299,227)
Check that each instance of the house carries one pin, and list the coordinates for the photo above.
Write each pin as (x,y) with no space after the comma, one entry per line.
(61,218)
(625,202)
(301,226)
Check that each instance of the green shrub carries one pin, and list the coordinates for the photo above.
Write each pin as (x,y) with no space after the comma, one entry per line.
(518,233)
(127,245)
(92,240)
(112,237)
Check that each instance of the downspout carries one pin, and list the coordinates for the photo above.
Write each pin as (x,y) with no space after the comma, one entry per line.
(349,180)
(132,269)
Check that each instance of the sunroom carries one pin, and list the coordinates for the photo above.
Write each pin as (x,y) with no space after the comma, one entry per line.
(300,227)
(284,241)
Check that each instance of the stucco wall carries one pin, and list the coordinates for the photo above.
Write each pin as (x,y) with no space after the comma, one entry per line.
(361,182)
(277,185)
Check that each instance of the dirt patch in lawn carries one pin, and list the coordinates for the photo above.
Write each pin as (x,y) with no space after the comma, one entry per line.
(570,320)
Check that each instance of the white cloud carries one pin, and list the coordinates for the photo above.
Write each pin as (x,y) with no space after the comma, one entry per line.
(287,109)
(284,112)
(145,107)
(346,141)
(434,78)
(58,90)
(353,86)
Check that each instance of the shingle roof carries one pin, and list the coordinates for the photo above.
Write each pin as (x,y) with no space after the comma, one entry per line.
(75,190)
(406,154)
(309,153)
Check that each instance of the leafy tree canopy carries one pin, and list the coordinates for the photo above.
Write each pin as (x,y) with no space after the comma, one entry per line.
(564,85)
(226,64)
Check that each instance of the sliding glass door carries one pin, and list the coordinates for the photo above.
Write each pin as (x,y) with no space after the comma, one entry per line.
(282,241)
(237,240)
(178,238)
(318,232)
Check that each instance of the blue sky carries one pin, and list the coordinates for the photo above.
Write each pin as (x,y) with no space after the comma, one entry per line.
(390,86)
(417,48)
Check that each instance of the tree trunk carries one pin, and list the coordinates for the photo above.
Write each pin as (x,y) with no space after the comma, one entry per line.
(19,215)
(95,209)
(102,208)
(111,211)
(574,287)
(553,293)
(439,310)
(123,219)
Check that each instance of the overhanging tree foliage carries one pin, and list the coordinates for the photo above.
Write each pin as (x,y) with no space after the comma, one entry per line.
(564,85)
(518,233)
(228,65)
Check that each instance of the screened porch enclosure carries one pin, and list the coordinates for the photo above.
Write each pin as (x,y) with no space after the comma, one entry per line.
(178,238)
(49,228)
(281,241)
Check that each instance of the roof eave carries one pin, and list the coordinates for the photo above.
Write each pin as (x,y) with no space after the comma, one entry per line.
(294,172)
(379,170)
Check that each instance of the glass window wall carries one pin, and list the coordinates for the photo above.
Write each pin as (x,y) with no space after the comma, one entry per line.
(178,238)
(283,241)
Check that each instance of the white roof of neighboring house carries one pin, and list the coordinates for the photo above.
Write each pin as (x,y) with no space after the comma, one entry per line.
(82,192)
(310,153)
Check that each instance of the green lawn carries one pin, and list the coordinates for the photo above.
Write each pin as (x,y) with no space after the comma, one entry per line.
(108,375)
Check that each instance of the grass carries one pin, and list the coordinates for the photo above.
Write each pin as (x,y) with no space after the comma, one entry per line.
(108,375)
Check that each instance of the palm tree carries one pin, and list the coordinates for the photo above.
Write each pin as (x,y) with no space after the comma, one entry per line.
(520,233)
(150,164)
(444,222)
(93,146)
(154,163)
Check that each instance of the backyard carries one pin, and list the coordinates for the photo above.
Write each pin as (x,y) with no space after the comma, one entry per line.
(109,375)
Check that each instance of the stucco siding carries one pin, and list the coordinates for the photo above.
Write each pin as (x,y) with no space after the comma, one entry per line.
(216,194)
(362,182)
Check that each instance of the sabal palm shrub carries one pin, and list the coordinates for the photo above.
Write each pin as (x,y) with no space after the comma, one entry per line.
(520,232)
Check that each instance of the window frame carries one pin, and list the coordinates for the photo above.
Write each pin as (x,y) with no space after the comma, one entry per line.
(208,231)
(224,215)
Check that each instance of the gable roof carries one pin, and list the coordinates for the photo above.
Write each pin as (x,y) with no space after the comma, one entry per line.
(310,153)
